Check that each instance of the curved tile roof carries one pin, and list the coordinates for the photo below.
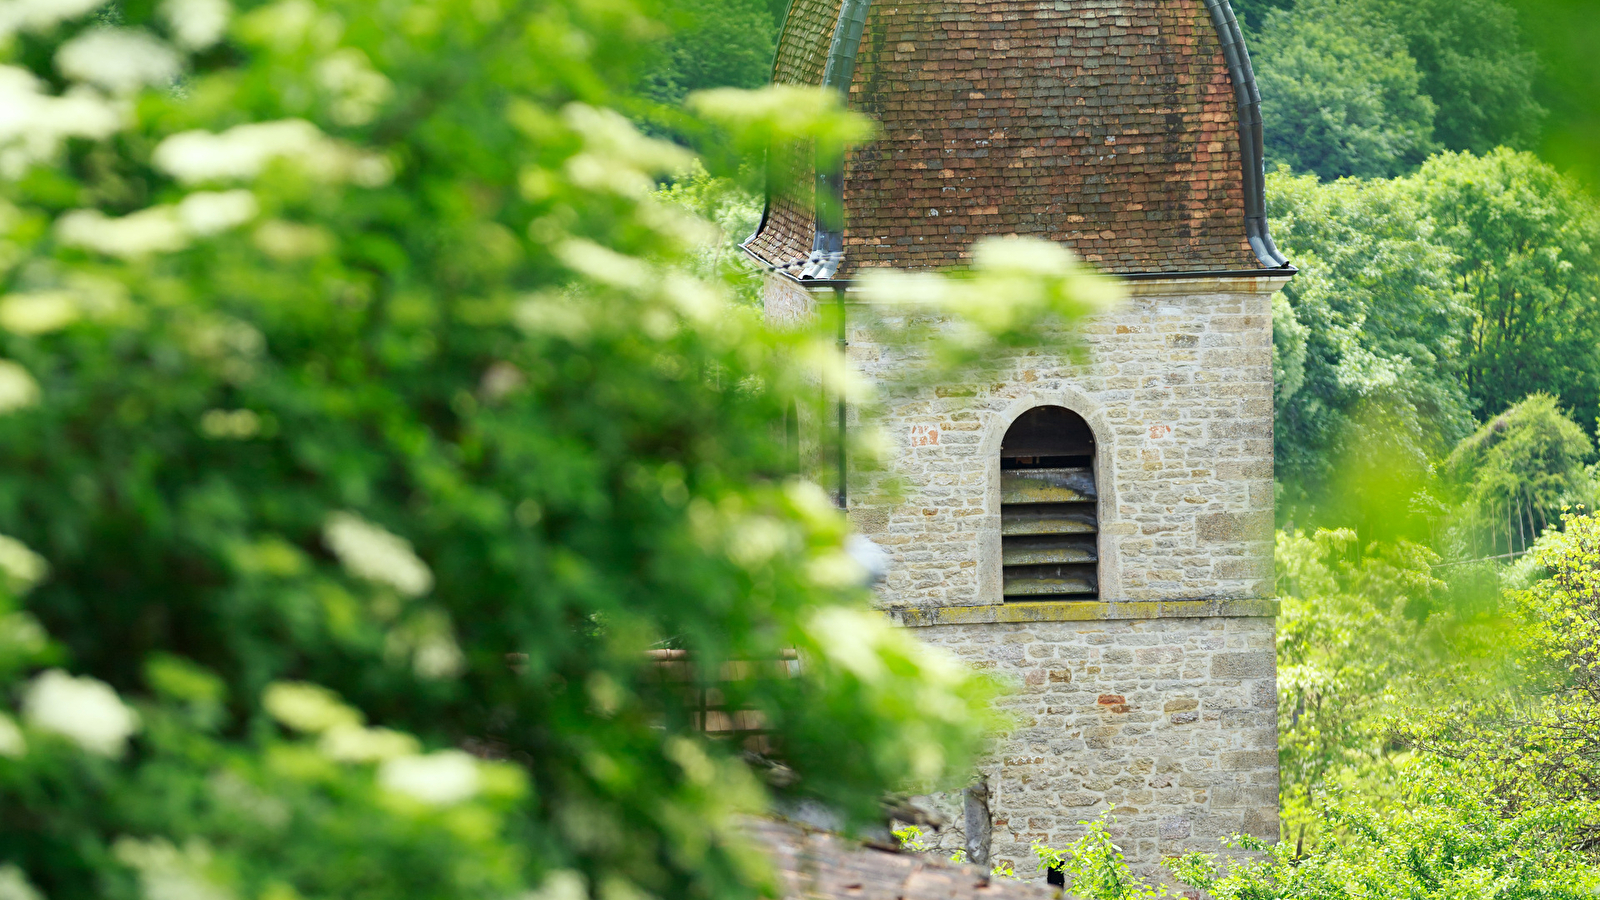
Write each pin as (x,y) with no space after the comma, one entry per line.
(1125,129)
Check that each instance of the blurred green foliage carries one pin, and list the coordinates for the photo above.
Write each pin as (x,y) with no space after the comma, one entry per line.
(1564,33)
(386,477)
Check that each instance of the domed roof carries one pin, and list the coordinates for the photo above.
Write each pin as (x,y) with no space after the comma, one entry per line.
(1128,130)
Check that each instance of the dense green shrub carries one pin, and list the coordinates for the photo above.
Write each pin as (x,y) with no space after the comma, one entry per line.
(363,429)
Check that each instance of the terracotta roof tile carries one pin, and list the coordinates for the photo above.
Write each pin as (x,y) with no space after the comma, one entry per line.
(1108,125)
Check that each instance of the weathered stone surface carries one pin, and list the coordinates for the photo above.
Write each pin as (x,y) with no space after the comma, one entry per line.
(814,865)
(1158,700)
(1231,527)
(1255,664)
(1185,756)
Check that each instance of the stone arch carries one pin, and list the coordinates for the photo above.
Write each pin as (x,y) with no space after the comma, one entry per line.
(990,568)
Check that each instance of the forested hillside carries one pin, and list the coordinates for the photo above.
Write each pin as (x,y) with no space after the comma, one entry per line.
(1437,366)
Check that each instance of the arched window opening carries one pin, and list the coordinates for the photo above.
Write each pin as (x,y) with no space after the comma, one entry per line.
(1049,529)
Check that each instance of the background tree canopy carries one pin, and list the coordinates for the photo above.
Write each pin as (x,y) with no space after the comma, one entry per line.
(1426,303)
(1371,87)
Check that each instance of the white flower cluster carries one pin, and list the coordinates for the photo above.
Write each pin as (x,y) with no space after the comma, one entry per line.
(349,743)
(287,241)
(230,424)
(212,212)
(85,710)
(358,90)
(153,230)
(119,60)
(616,156)
(51,309)
(18,390)
(159,229)
(307,708)
(438,779)
(14,885)
(169,873)
(369,552)
(562,884)
(34,124)
(244,151)
(21,567)
(38,312)
(12,743)
(196,24)
(38,15)
(428,639)
(312,709)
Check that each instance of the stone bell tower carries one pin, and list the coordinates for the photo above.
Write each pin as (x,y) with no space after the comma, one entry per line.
(1099,533)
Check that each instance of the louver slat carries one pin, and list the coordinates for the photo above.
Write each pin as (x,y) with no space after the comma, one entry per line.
(1074,485)
(1027,551)
(1048,518)
(1036,581)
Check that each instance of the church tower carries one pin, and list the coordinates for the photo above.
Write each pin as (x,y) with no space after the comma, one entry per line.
(1097,532)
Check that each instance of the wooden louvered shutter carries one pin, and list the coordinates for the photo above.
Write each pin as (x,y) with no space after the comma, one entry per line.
(1049,527)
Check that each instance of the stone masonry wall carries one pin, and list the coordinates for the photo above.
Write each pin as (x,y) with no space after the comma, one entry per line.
(1169,723)
(1178,390)
(1157,701)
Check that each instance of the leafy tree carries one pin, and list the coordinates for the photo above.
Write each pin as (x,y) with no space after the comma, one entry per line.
(1252,13)
(1476,69)
(1370,87)
(1444,841)
(383,491)
(1516,474)
(1462,288)
(1341,94)
(1538,747)
(1526,248)
(1368,345)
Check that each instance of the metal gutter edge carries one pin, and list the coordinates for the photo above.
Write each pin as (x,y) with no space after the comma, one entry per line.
(827,249)
(1283,271)
(1251,143)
